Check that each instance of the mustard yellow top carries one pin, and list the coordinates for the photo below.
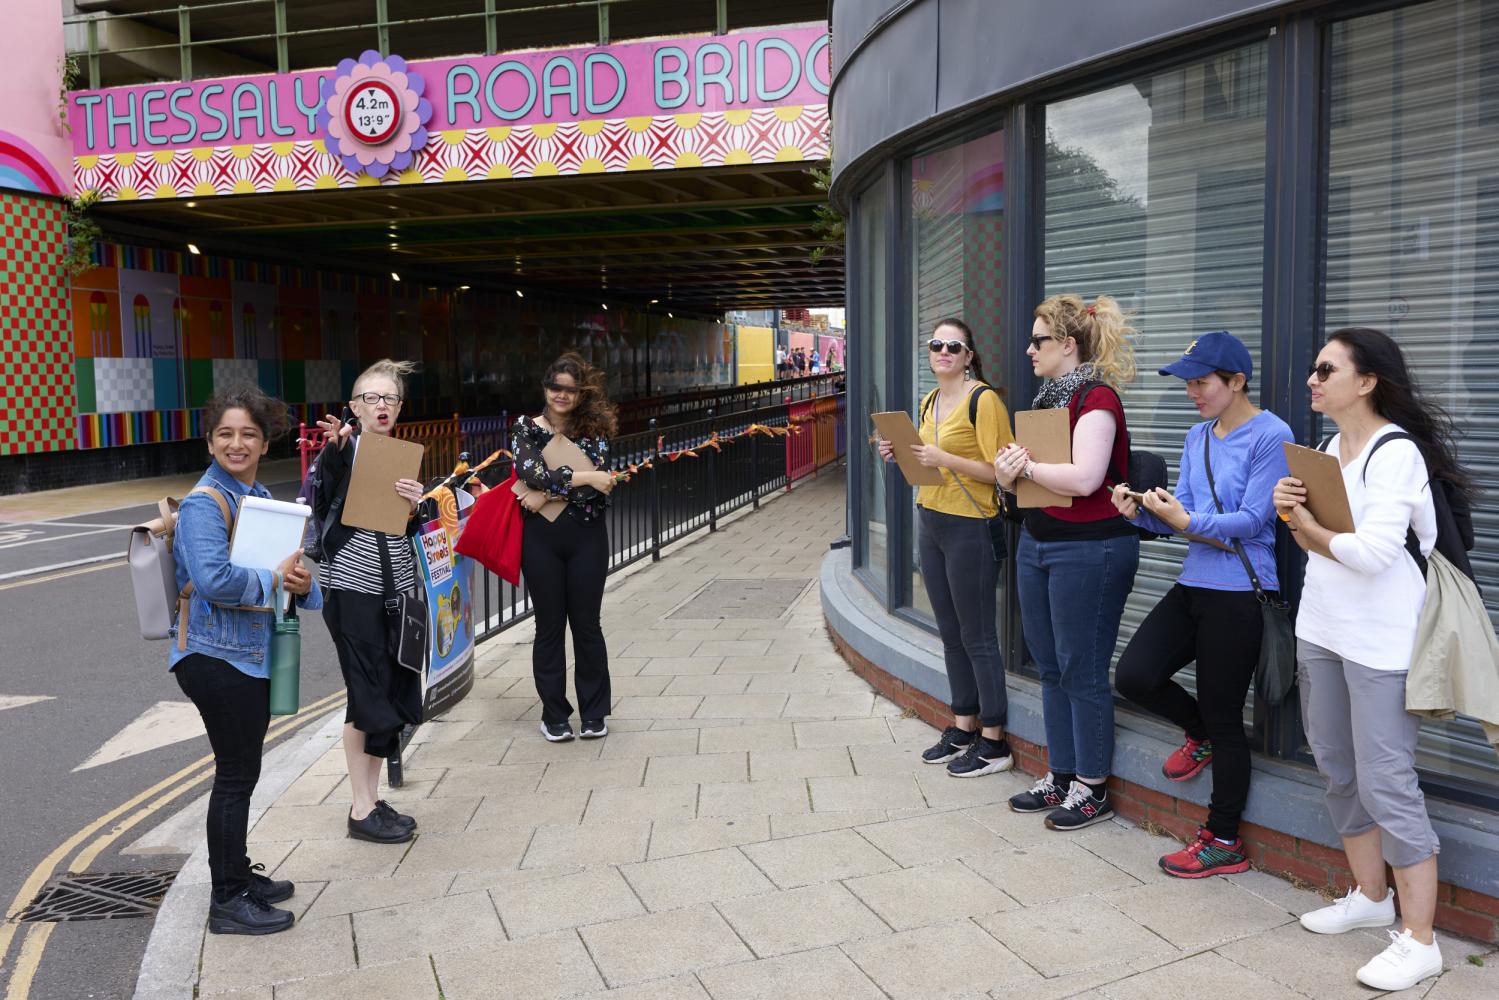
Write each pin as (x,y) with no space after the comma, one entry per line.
(979,441)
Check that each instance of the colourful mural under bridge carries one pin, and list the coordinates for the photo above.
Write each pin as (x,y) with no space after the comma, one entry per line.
(743,98)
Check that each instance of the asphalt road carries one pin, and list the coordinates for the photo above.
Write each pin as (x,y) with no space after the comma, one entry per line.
(72,638)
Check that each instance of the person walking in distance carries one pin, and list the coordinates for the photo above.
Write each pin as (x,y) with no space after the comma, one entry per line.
(362,569)
(1075,565)
(221,651)
(1229,466)
(964,424)
(565,561)
(1355,633)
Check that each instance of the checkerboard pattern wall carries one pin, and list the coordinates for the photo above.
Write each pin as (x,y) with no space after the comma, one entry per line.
(124,385)
(37,396)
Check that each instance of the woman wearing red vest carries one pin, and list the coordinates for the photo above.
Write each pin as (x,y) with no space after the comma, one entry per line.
(1076,565)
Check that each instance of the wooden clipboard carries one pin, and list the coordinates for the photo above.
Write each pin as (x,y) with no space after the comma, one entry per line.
(559,451)
(373,503)
(1322,475)
(1047,434)
(896,427)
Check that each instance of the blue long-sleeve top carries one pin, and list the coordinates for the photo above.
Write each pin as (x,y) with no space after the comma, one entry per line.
(1247,463)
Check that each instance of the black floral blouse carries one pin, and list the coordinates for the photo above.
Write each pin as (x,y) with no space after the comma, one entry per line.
(584,503)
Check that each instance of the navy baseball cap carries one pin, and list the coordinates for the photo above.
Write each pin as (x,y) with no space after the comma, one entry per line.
(1219,351)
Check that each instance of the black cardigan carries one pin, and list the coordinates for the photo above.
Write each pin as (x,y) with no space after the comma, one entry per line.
(332,480)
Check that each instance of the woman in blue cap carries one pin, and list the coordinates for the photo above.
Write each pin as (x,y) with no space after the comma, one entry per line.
(1229,468)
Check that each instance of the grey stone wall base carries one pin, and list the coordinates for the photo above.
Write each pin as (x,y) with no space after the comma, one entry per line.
(1284,795)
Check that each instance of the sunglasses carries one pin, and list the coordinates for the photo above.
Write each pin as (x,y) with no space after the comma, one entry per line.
(571,390)
(951,346)
(1323,372)
(1036,341)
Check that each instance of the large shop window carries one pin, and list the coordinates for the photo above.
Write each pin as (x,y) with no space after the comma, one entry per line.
(867,340)
(1412,245)
(1155,194)
(957,232)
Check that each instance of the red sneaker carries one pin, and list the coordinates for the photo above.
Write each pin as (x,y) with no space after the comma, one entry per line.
(1204,857)
(1188,760)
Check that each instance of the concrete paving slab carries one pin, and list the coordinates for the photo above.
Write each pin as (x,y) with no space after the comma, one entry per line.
(651,743)
(759,798)
(661,707)
(310,948)
(1073,935)
(947,961)
(815,916)
(767,664)
(818,857)
(355,895)
(592,843)
(412,979)
(539,906)
(850,793)
(663,944)
(427,927)
(931,837)
(335,860)
(697,769)
(842,733)
(755,736)
(1198,913)
(470,781)
(928,895)
(681,666)
(670,839)
(545,967)
(1187,979)
(678,988)
(574,775)
(690,879)
(741,706)
(528,809)
(823,973)
(782,827)
(486,850)
(818,762)
(663,802)
(706,684)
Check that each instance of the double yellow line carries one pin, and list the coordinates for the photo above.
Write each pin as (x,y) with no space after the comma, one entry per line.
(145,804)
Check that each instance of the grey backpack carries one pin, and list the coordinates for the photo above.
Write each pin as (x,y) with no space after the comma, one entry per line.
(153,568)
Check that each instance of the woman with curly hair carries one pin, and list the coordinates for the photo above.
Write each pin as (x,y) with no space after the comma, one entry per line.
(565,561)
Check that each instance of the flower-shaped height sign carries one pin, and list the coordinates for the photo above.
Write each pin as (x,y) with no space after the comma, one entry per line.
(376,117)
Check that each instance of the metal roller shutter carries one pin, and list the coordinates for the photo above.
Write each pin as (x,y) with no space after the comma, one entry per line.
(1155,195)
(1412,245)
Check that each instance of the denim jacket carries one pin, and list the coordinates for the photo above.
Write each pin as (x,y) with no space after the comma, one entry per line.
(223,620)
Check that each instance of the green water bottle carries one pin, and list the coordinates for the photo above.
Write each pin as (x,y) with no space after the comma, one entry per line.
(286,659)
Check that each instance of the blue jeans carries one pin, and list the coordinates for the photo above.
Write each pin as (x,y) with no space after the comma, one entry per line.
(1071,597)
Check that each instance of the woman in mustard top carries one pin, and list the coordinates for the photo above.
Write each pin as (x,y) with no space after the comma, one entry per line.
(963,425)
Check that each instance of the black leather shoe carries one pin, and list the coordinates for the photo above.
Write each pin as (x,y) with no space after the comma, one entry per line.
(398,818)
(270,890)
(247,913)
(377,828)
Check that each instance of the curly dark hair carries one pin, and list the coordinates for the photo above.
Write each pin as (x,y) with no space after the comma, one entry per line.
(594,416)
(268,412)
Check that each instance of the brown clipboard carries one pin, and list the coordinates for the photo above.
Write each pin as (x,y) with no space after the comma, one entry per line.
(1322,475)
(896,427)
(373,503)
(559,451)
(1047,435)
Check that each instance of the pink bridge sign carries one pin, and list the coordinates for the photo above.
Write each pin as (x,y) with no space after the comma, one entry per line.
(745,97)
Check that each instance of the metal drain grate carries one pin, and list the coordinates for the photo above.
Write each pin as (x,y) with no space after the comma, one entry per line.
(734,599)
(98,896)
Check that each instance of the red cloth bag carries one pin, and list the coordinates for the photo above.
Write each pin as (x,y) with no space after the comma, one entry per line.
(493,533)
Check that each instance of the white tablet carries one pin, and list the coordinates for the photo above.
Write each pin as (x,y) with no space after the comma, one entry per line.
(266,532)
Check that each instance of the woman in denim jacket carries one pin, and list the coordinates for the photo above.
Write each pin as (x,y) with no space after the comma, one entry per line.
(220,661)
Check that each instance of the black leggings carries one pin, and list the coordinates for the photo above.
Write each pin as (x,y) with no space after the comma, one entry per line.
(1220,629)
(236,710)
(959,570)
(564,563)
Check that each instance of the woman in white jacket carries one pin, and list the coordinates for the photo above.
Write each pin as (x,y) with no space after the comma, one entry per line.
(1354,635)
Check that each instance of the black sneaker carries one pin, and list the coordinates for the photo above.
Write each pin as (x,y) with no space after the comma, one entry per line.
(985,756)
(268,889)
(1079,809)
(398,818)
(557,732)
(953,742)
(247,913)
(1043,795)
(594,729)
(377,828)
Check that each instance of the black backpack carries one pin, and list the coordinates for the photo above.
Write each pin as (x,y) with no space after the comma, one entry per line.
(1146,471)
(973,403)
(1454,515)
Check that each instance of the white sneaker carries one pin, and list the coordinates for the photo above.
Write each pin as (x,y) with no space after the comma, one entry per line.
(1353,910)
(1403,964)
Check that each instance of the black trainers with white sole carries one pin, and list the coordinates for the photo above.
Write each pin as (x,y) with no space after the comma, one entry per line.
(953,742)
(594,729)
(557,732)
(1043,796)
(985,756)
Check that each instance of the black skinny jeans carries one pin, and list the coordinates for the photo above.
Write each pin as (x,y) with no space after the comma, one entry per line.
(236,710)
(564,563)
(960,574)
(1220,629)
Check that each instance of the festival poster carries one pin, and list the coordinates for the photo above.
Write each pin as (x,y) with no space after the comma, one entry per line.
(447,578)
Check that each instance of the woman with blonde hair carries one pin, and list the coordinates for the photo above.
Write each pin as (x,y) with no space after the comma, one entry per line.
(565,561)
(1076,565)
(361,570)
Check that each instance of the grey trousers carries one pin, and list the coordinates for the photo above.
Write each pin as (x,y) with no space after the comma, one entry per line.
(958,568)
(1365,745)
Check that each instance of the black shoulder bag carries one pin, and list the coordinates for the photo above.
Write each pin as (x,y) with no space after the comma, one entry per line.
(996,524)
(1276,671)
(405,615)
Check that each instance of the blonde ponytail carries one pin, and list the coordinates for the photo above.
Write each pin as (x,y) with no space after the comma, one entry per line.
(1102,335)
(394,370)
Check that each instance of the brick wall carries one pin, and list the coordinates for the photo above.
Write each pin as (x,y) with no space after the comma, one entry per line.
(1309,864)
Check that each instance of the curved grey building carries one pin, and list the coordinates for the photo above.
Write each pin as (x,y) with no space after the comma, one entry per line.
(1275,169)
